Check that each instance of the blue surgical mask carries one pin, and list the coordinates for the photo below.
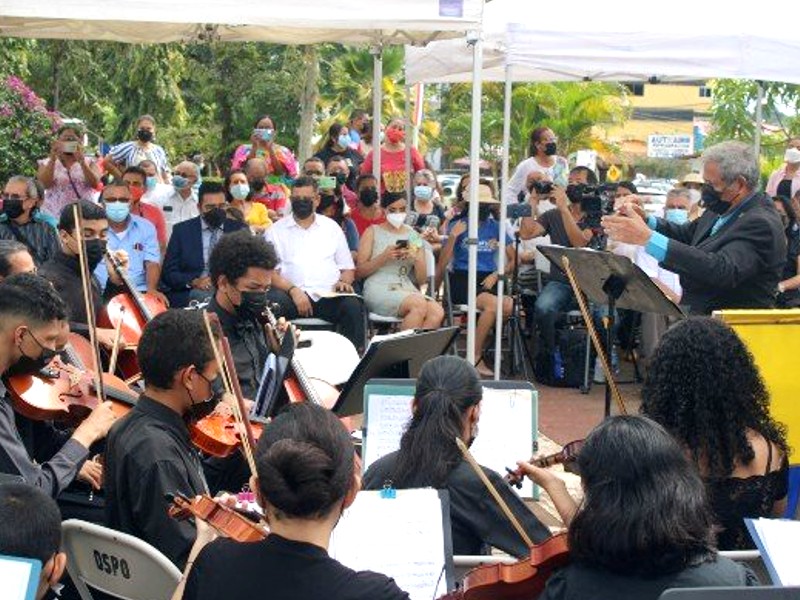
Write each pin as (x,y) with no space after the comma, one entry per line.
(676,215)
(179,182)
(118,211)
(240,190)
(423,192)
(344,141)
(150,182)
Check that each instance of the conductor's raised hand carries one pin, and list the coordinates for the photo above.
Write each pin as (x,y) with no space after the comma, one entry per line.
(627,228)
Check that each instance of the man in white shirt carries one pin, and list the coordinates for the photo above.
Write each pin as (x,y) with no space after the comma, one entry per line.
(314,265)
(181,205)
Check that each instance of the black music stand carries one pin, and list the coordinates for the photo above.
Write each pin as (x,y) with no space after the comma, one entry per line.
(614,280)
(392,358)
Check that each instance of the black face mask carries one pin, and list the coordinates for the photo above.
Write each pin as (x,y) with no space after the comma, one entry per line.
(144,135)
(30,366)
(484,212)
(12,207)
(253,304)
(550,148)
(712,200)
(302,209)
(214,218)
(257,184)
(200,410)
(95,250)
(341,178)
(368,196)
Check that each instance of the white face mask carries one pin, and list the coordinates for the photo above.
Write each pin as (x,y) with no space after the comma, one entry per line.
(694,196)
(396,220)
(792,155)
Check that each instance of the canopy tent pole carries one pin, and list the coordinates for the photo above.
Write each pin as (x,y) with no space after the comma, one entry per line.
(759,119)
(409,137)
(474,39)
(377,103)
(501,258)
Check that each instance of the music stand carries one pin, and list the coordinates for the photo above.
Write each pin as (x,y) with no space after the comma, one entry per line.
(272,377)
(393,358)
(614,280)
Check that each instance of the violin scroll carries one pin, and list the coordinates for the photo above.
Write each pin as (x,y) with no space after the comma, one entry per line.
(568,456)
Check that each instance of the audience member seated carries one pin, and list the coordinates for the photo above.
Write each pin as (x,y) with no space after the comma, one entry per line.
(455,259)
(789,287)
(315,265)
(19,220)
(239,196)
(265,190)
(136,178)
(644,526)
(14,258)
(332,205)
(67,175)
(314,168)
(367,210)
(446,406)
(306,478)
(338,144)
(427,207)
(30,527)
(338,167)
(391,261)
(185,274)
(136,236)
(181,204)
(704,388)
(156,191)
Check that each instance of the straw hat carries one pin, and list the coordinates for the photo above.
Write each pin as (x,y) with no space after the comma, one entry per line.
(485,195)
(692,178)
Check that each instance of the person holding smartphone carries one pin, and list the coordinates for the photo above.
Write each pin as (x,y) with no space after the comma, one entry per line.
(281,162)
(67,174)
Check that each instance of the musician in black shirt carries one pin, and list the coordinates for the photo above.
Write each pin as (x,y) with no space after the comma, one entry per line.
(446,406)
(306,471)
(149,452)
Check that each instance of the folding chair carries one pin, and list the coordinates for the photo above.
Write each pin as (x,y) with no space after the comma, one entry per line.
(115,563)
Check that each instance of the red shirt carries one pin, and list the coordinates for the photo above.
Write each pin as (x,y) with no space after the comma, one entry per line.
(153,214)
(393,168)
(361,222)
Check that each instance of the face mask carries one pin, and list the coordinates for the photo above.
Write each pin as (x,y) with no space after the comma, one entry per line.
(257,184)
(200,410)
(395,136)
(341,178)
(343,141)
(179,182)
(694,196)
(550,148)
(150,183)
(27,365)
(240,191)
(215,217)
(484,212)
(144,135)
(12,207)
(676,215)
(95,250)
(253,304)
(368,196)
(792,155)
(396,219)
(712,200)
(302,209)
(118,211)
(423,192)
(136,193)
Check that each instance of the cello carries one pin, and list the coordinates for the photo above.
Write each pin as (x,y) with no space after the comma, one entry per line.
(130,311)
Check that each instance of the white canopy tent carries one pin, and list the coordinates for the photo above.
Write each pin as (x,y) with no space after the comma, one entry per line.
(688,40)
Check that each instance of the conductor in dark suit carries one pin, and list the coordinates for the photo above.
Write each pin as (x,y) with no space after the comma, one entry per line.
(185,272)
(733,255)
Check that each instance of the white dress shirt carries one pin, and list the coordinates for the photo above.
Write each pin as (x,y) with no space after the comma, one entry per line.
(178,209)
(312,258)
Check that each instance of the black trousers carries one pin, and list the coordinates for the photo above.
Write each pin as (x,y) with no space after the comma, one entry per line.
(345,312)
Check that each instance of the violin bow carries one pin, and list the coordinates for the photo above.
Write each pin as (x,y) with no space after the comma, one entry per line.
(112,362)
(598,346)
(232,387)
(86,282)
(493,491)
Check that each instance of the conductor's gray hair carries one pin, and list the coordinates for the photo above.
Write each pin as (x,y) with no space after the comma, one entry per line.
(735,159)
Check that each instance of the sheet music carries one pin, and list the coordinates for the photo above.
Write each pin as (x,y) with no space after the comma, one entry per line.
(401,537)
(778,541)
(505,429)
(15,575)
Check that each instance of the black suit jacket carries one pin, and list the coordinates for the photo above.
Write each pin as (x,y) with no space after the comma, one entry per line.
(183,261)
(738,267)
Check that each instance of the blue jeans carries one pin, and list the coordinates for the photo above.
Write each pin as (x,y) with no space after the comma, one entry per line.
(555,299)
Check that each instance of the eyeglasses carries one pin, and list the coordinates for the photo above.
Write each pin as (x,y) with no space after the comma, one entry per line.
(12,197)
(108,199)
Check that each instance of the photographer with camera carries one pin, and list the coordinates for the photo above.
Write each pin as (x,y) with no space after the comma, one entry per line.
(543,160)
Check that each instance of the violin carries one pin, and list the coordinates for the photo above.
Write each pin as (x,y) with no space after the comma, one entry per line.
(131,311)
(239,525)
(67,392)
(568,456)
(522,580)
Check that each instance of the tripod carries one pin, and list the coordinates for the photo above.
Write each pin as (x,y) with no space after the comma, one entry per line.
(521,357)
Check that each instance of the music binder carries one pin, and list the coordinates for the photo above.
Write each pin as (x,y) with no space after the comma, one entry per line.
(19,577)
(777,541)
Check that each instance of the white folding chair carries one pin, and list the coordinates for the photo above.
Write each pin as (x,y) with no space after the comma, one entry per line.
(115,563)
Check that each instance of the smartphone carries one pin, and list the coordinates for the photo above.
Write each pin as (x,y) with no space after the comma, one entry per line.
(264,134)
(69,147)
(327,183)
(401,244)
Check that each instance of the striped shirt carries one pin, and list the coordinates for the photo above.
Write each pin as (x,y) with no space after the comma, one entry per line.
(130,154)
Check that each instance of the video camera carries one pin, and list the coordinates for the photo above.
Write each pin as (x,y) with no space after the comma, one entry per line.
(542,188)
(596,201)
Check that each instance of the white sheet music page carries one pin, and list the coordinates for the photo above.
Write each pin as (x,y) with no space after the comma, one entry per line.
(505,431)
(386,418)
(779,537)
(15,576)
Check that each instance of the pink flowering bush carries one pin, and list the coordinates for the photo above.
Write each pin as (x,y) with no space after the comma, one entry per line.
(26,129)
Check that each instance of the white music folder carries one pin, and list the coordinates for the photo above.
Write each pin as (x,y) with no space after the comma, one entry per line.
(19,577)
